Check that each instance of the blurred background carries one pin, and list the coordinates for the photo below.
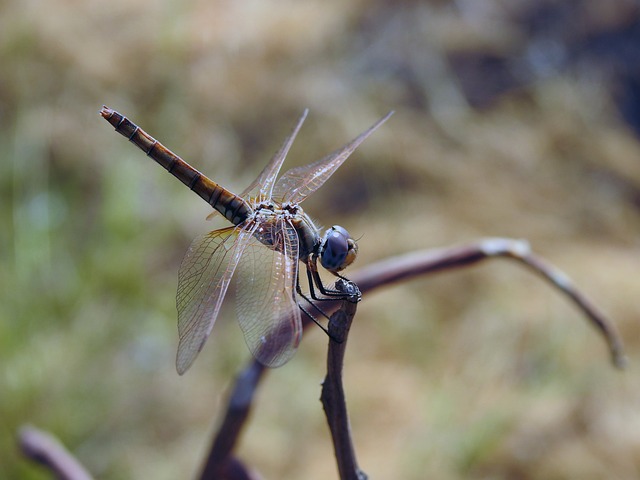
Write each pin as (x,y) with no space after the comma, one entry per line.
(513,118)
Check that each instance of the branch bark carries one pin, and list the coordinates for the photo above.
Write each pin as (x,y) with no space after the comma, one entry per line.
(405,267)
(332,396)
(45,449)
(221,464)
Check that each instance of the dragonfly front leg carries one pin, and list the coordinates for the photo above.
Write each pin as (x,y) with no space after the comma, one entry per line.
(314,279)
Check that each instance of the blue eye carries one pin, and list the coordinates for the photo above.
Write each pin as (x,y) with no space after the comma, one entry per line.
(338,249)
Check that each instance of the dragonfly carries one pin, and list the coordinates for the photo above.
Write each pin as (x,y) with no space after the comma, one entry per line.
(269,237)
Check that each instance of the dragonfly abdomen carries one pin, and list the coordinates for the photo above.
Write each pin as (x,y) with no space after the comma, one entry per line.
(234,208)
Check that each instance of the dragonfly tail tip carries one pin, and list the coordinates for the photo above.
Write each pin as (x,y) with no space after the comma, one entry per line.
(106,111)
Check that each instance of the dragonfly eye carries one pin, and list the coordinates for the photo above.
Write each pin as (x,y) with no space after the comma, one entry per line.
(338,249)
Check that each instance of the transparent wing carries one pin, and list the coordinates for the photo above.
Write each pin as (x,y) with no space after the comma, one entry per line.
(300,182)
(203,280)
(262,187)
(267,309)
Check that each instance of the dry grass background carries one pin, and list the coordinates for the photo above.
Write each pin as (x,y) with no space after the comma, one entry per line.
(509,122)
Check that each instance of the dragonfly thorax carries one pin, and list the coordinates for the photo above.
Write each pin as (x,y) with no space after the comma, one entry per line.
(269,215)
(336,249)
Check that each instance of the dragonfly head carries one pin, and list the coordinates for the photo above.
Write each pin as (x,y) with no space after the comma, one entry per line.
(337,250)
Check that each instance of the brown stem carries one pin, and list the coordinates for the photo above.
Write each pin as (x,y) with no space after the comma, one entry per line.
(405,267)
(418,263)
(220,463)
(332,396)
(45,449)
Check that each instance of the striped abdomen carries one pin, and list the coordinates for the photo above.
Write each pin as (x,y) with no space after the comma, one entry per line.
(234,208)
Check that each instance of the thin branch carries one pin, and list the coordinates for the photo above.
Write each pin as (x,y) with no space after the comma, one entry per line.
(405,267)
(414,264)
(45,449)
(220,463)
(332,396)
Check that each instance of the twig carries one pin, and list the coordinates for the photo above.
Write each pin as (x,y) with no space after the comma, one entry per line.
(332,396)
(414,264)
(405,267)
(45,449)
(220,463)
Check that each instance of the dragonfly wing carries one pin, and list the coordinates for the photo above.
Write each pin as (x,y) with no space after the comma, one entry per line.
(203,280)
(300,182)
(262,187)
(268,313)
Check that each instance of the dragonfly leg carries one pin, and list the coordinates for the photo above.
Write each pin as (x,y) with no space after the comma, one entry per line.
(311,317)
(318,309)
(314,280)
(315,307)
